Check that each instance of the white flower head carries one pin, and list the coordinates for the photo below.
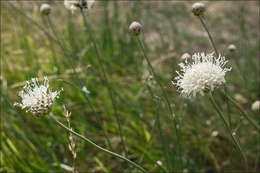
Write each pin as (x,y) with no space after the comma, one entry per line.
(74,4)
(37,98)
(203,74)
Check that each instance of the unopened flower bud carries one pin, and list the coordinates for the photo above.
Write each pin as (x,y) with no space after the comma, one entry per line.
(185,56)
(232,48)
(256,106)
(135,28)
(45,9)
(198,8)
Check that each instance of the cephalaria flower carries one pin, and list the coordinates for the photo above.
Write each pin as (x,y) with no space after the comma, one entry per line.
(37,98)
(203,74)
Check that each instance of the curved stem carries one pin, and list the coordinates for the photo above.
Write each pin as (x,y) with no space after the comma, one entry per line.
(105,81)
(95,145)
(210,38)
(212,100)
(242,112)
(66,54)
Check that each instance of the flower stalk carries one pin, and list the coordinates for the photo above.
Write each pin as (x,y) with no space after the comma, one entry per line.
(235,142)
(95,145)
(105,80)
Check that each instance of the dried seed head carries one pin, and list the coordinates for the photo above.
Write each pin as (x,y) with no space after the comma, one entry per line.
(232,48)
(135,28)
(198,8)
(45,9)
(256,106)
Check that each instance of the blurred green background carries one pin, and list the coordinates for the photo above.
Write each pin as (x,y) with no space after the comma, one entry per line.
(29,49)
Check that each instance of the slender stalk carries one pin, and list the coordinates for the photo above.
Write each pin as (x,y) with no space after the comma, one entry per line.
(95,145)
(166,100)
(105,81)
(157,121)
(235,142)
(210,38)
(77,77)
(242,112)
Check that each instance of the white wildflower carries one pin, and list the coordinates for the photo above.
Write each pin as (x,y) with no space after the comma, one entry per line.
(203,74)
(85,90)
(37,98)
(74,4)
(256,106)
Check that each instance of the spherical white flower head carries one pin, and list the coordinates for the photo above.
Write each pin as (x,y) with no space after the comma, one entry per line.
(37,98)
(74,4)
(256,106)
(203,74)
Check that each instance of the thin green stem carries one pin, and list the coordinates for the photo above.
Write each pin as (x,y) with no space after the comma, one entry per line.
(242,112)
(210,38)
(95,145)
(77,77)
(105,81)
(235,142)
(166,100)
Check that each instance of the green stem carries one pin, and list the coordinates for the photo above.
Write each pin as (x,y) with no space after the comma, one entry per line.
(210,38)
(212,100)
(64,50)
(167,102)
(242,112)
(105,81)
(95,145)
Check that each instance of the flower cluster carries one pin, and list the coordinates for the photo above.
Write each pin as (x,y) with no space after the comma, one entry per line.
(203,74)
(37,98)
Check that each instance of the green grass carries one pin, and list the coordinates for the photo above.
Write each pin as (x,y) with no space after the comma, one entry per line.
(29,49)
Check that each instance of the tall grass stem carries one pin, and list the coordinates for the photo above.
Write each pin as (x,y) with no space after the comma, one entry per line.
(105,81)
(77,77)
(95,145)
(235,142)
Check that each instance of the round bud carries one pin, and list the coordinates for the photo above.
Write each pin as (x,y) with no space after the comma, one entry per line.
(198,8)
(232,48)
(45,9)
(256,106)
(135,28)
(185,56)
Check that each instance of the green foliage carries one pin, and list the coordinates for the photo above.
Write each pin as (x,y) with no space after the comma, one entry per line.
(29,49)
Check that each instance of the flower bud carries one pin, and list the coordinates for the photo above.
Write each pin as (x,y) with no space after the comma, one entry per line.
(135,28)
(185,56)
(198,8)
(232,48)
(256,106)
(45,9)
